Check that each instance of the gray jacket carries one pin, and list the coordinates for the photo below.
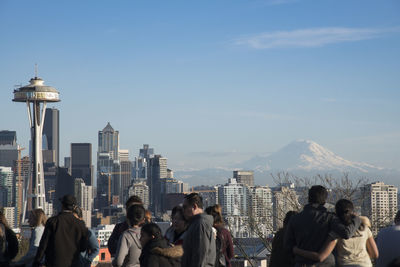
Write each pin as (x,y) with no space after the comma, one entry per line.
(199,242)
(129,249)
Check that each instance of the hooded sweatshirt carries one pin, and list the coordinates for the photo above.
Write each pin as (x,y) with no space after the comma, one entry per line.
(129,249)
(199,243)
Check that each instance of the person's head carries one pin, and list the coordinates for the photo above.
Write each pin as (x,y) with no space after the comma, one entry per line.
(317,195)
(397,218)
(179,223)
(192,205)
(133,200)
(215,211)
(3,221)
(150,231)
(288,215)
(37,218)
(135,214)
(68,202)
(147,216)
(78,212)
(344,210)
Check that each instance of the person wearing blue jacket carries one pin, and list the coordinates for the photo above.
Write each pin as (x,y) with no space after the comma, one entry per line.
(93,248)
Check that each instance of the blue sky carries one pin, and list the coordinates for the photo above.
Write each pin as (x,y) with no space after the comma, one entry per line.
(229,79)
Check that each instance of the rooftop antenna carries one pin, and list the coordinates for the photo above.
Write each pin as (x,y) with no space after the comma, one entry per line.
(36,70)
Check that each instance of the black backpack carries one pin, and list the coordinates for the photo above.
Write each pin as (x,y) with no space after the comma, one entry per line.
(220,260)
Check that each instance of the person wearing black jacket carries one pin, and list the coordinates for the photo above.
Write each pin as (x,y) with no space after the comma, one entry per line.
(309,229)
(63,239)
(155,249)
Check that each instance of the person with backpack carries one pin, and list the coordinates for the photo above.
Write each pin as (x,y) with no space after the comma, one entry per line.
(8,242)
(223,240)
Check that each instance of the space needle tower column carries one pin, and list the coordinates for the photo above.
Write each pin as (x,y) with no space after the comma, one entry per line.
(34,95)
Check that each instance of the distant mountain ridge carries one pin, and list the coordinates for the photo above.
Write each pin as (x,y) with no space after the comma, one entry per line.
(300,157)
(306,155)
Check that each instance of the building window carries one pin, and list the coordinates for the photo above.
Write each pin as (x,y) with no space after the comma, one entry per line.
(103,256)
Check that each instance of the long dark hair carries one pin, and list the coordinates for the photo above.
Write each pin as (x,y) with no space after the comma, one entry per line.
(344,210)
(152,229)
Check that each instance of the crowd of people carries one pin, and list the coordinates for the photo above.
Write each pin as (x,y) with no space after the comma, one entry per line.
(317,237)
(197,237)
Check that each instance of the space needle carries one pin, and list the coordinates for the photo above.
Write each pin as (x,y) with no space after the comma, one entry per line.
(36,95)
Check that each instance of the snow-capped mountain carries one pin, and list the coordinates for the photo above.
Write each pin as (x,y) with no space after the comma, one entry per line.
(307,156)
(301,157)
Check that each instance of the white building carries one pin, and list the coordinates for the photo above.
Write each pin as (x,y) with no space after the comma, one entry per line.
(103,233)
(284,199)
(261,209)
(379,204)
(141,190)
(84,196)
(234,198)
(9,213)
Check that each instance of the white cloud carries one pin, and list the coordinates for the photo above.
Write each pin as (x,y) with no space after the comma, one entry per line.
(312,37)
(265,115)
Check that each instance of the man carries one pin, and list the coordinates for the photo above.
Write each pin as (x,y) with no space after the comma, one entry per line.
(388,241)
(310,228)
(121,227)
(199,242)
(63,239)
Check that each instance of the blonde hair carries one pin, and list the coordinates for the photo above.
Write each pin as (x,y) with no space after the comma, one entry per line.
(40,217)
(3,222)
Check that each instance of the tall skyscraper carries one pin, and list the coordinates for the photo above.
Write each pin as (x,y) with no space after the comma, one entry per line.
(51,136)
(146,152)
(157,170)
(108,167)
(81,162)
(244,177)
(379,204)
(109,141)
(126,179)
(8,148)
(8,138)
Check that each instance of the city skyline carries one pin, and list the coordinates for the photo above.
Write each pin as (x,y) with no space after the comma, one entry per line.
(215,82)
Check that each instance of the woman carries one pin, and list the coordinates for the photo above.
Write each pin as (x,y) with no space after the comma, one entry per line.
(355,251)
(93,248)
(37,220)
(8,242)
(156,252)
(176,232)
(129,248)
(279,255)
(224,242)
